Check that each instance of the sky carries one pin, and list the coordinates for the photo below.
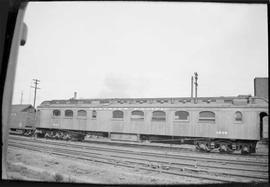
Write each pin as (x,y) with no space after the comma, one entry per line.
(141,50)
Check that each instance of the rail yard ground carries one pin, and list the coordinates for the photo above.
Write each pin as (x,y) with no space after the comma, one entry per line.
(43,165)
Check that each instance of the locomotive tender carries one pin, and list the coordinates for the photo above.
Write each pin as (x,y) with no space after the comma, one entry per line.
(225,123)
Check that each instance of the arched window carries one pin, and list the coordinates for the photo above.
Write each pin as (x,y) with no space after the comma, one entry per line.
(118,114)
(56,113)
(69,113)
(159,116)
(238,116)
(137,115)
(94,114)
(207,116)
(82,113)
(181,115)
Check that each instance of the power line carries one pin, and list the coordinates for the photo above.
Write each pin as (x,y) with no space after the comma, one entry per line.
(36,82)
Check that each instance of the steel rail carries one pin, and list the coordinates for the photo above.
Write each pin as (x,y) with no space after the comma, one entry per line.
(125,144)
(177,164)
(67,153)
(141,145)
(173,156)
(170,163)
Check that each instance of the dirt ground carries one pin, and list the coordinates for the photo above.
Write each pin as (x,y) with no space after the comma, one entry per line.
(38,166)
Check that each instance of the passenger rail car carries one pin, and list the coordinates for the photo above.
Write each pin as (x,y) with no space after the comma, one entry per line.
(224,123)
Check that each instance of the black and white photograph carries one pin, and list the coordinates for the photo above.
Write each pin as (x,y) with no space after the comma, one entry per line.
(135,92)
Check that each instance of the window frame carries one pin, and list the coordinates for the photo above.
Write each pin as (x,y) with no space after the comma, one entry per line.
(79,116)
(238,121)
(182,120)
(56,116)
(92,115)
(137,118)
(207,119)
(119,119)
(66,114)
(157,119)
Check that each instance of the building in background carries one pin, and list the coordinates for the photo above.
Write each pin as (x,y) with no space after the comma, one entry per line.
(261,87)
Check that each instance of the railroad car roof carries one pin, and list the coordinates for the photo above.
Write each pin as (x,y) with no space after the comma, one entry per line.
(21,107)
(160,102)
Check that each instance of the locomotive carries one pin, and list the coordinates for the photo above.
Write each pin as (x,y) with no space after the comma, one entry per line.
(227,124)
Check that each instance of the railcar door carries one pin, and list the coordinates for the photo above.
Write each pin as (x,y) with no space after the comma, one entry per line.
(263,125)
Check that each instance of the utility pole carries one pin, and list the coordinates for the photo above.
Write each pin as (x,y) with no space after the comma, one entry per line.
(36,82)
(21,97)
(191,87)
(196,85)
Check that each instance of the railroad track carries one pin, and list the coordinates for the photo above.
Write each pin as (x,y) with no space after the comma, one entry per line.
(168,147)
(230,159)
(214,170)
